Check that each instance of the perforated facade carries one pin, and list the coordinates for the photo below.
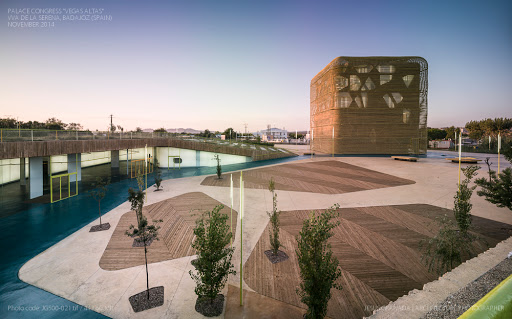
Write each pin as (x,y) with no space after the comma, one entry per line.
(370,105)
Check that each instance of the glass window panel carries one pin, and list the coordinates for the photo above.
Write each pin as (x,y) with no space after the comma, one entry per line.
(406,116)
(343,100)
(385,79)
(386,68)
(355,83)
(389,101)
(364,97)
(341,82)
(368,85)
(359,102)
(398,97)
(363,68)
(408,79)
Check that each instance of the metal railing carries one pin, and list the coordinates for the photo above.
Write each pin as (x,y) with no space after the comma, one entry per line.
(34,135)
(252,149)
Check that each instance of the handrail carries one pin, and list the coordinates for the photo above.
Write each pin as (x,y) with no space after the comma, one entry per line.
(496,304)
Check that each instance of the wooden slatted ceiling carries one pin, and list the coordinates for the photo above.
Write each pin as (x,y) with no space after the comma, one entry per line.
(326,177)
(176,232)
(378,252)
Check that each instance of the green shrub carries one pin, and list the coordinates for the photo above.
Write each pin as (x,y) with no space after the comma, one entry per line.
(275,244)
(462,205)
(219,168)
(213,264)
(453,242)
(318,267)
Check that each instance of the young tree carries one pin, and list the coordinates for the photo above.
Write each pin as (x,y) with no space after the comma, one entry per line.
(446,250)
(275,244)
(98,193)
(136,198)
(158,179)
(145,233)
(213,264)
(318,267)
(219,168)
(158,175)
(498,189)
(462,204)
(489,170)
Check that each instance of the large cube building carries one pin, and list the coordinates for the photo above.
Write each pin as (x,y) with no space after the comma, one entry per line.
(370,105)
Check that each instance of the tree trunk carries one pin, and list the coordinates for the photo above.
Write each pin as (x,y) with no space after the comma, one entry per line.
(146,258)
(99,211)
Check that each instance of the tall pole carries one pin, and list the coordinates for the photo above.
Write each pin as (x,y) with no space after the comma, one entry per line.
(241,214)
(311,144)
(231,197)
(111,123)
(499,147)
(146,164)
(333,141)
(460,151)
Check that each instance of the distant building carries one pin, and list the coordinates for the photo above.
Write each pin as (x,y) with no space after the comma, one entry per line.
(273,135)
(443,144)
(370,105)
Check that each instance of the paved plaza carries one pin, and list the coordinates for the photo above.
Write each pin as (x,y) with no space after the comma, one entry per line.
(387,207)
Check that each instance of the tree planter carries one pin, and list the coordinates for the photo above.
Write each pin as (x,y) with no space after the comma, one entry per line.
(95,228)
(137,242)
(140,301)
(208,308)
(280,257)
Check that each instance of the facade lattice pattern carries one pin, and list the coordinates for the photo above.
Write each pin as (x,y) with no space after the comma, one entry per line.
(370,105)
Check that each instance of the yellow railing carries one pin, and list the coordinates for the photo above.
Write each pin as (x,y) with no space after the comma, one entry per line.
(60,176)
(138,167)
(173,161)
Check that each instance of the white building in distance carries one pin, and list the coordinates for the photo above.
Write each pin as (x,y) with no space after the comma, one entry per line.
(273,135)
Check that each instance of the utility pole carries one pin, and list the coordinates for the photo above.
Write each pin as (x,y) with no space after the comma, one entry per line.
(111,124)
(245,124)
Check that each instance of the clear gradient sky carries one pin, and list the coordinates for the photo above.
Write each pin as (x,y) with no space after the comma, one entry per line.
(214,64)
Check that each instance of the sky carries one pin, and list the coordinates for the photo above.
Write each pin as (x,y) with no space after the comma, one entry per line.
(219,64)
